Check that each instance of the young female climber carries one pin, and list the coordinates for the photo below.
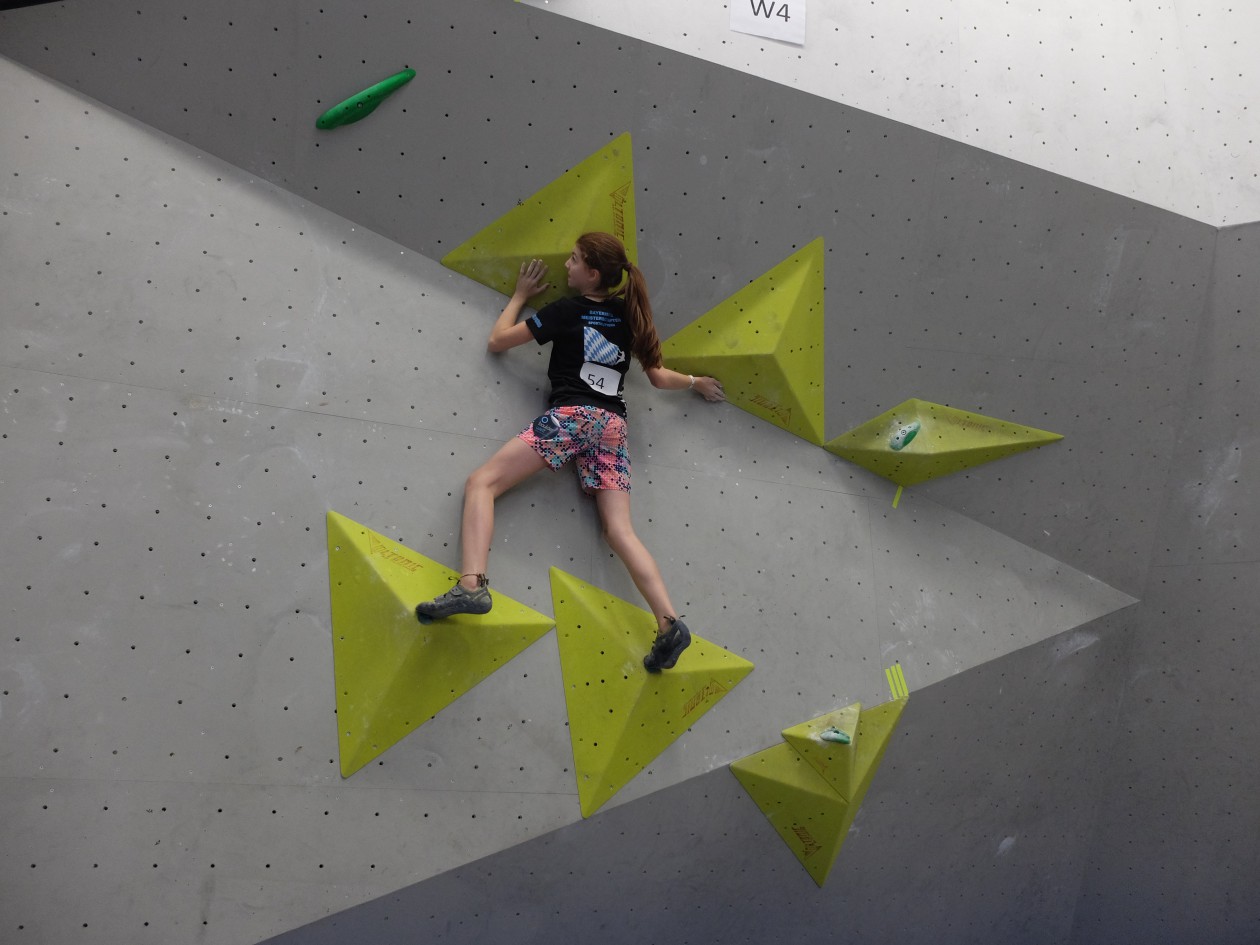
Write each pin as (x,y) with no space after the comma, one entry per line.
(593,335)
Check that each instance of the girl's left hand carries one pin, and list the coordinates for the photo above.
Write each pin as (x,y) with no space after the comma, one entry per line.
(710,388)
(531,279)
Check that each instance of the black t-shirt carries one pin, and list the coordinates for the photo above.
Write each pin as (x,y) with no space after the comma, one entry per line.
(590,351)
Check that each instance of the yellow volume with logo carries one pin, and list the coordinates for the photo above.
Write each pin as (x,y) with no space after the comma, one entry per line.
(392,673)
(595,195)
(765,343)
(797,790)
(621,717)
(917,441)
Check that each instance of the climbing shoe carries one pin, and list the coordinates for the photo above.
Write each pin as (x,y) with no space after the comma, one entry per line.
(668,646)
(458,600)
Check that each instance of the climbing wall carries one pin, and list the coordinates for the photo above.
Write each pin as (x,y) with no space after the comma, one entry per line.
(230,325)
(953,275)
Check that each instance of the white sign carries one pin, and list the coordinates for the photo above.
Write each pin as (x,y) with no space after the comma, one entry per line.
(777,20)
(606,380)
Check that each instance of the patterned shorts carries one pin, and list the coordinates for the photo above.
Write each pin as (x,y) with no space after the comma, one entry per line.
(595,438)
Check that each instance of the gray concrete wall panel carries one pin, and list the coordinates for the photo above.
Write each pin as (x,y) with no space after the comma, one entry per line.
(1175,856)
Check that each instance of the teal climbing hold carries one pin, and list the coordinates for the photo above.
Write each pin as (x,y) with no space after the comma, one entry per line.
(361,105)
(901,439)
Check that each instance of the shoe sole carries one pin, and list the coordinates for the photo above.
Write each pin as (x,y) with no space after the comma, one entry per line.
(427,619)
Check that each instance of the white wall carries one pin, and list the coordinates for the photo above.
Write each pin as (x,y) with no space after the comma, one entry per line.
(1154,100)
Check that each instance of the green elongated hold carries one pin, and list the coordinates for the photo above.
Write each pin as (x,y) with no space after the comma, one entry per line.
(361,105)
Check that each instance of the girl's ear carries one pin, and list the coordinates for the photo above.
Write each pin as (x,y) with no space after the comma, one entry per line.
(589,277)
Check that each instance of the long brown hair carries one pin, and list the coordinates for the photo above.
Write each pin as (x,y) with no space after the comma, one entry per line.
(606,254)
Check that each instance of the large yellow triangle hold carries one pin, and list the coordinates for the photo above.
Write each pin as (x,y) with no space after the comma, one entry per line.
(595,195)
(621,717)
(797,790)
(800,804)
(392,673)
(918,440)
(765,343)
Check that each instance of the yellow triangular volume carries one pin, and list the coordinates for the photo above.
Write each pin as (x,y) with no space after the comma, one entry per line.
(597,194)
(393,674)
(834,760)
(917,441)
(795,783)
(620,715)
(800,804)
(765,343)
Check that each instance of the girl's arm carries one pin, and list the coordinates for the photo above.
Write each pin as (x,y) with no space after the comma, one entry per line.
(507,331)
(662,378)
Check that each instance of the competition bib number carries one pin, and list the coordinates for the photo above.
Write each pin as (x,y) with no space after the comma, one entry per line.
(600,377)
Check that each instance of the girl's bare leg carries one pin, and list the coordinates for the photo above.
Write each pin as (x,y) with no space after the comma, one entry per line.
(515,462)
(614,513)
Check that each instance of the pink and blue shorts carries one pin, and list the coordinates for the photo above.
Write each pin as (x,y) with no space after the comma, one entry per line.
(595,439)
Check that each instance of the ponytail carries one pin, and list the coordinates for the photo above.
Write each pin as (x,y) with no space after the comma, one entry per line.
(646,345)
(605,253)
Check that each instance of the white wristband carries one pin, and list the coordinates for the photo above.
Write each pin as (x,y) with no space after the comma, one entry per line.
(692,385)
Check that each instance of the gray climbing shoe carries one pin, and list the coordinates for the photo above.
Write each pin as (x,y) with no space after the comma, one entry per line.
(668,646)
(458,600)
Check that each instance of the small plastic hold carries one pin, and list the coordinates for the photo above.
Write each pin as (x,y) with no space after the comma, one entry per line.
(904,435)
(835,735)
(360,106)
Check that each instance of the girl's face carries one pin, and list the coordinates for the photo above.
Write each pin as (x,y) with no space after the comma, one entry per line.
(581,276)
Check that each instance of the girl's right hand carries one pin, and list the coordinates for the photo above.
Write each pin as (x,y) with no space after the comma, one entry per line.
(530,282)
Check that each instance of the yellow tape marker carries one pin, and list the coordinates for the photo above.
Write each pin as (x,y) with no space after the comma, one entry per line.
(897,497)
(897,681)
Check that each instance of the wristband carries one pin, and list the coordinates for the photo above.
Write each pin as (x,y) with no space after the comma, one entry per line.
(692,385)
